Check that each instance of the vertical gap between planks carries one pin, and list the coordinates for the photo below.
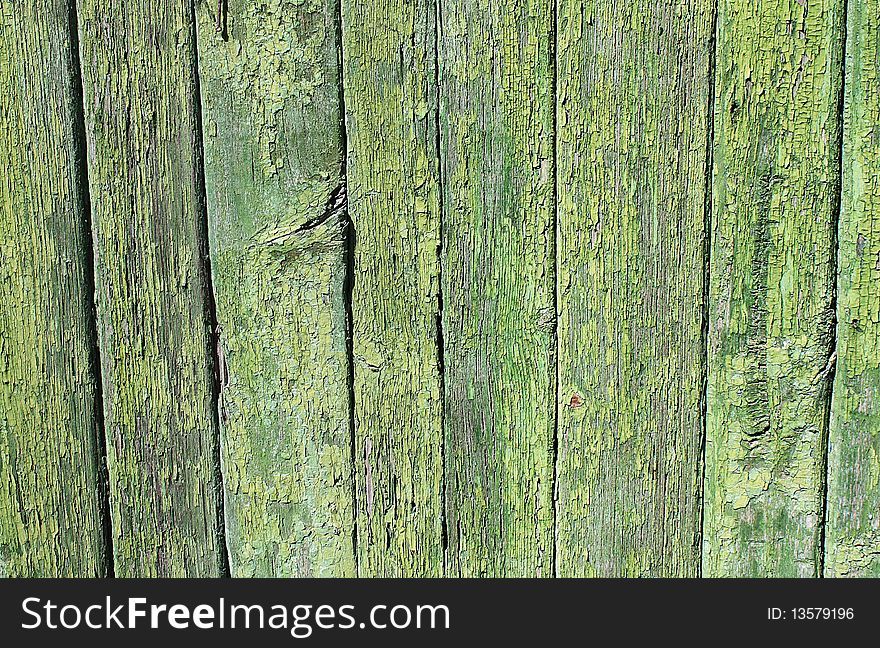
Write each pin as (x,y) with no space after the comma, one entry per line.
(831,366)
(444,538)
(554,379)
(85,201)
(707,252)
(210,301)
(347,290)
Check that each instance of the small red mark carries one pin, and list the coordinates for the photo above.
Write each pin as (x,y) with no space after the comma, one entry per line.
(576,401)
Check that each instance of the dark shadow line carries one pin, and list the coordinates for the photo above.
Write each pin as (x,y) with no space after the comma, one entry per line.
(85,203)
(439,339)
(554,379)
(831,366)
(348,289)
(707,256)
(213,337)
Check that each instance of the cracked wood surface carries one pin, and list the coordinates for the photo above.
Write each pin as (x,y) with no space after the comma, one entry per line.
(50,457)
(771,276)
(632,101)
(412,209)
(152,289)
(275,185)
(394,204)
(496,106)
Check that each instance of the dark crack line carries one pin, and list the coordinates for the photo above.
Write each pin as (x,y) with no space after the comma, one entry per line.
(707,256)
(336,205)
(348,286)
(85,201)
(554,379)
(440,343)
(214,340)
(831,366)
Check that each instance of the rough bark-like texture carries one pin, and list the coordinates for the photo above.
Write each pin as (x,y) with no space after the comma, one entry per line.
(853,516)
(138,61)
(771,319)
(274,157)
(633,97)
(394,202)
(50,459)
(498,285)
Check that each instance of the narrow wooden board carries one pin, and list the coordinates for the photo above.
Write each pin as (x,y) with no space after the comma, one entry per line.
(394,203)
(274,171)
(498,285)
(138,62)
(853,517)
(50,451)
(771,316)
(633,101)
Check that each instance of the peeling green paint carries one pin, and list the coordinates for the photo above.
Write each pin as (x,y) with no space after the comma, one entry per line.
(632,117)
(394,203)
(853,518)
(471,264)
(771,319)
(274,156)
(138,63)
(496,75)
(50,502)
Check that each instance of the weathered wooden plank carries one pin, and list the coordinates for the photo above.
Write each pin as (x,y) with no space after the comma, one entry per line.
(394,203)
(633,98)
(853,516)
(274,174)
(771,320)
(138,61)
(498,285)
(50,453)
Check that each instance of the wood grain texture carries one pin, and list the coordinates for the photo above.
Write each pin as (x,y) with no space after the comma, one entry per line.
(771,317)
(138,61)
(274,171)
(394,203)
(50,457)
(633,97)
(498,285)
(853,517)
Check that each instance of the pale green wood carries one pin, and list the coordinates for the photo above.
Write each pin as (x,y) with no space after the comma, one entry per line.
(771,317)
(498,285)
(50,455)
(138,62)
(633,88)
(274,171)
(394,203)
(853,519)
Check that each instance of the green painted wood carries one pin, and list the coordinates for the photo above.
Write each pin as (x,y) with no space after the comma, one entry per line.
(498,285)
(138,62)
(771,318)
(394,203)
(632,118)
(50,454)
(853,517)
(274,172)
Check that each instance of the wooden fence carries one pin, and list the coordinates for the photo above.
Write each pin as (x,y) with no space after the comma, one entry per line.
(440,287)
